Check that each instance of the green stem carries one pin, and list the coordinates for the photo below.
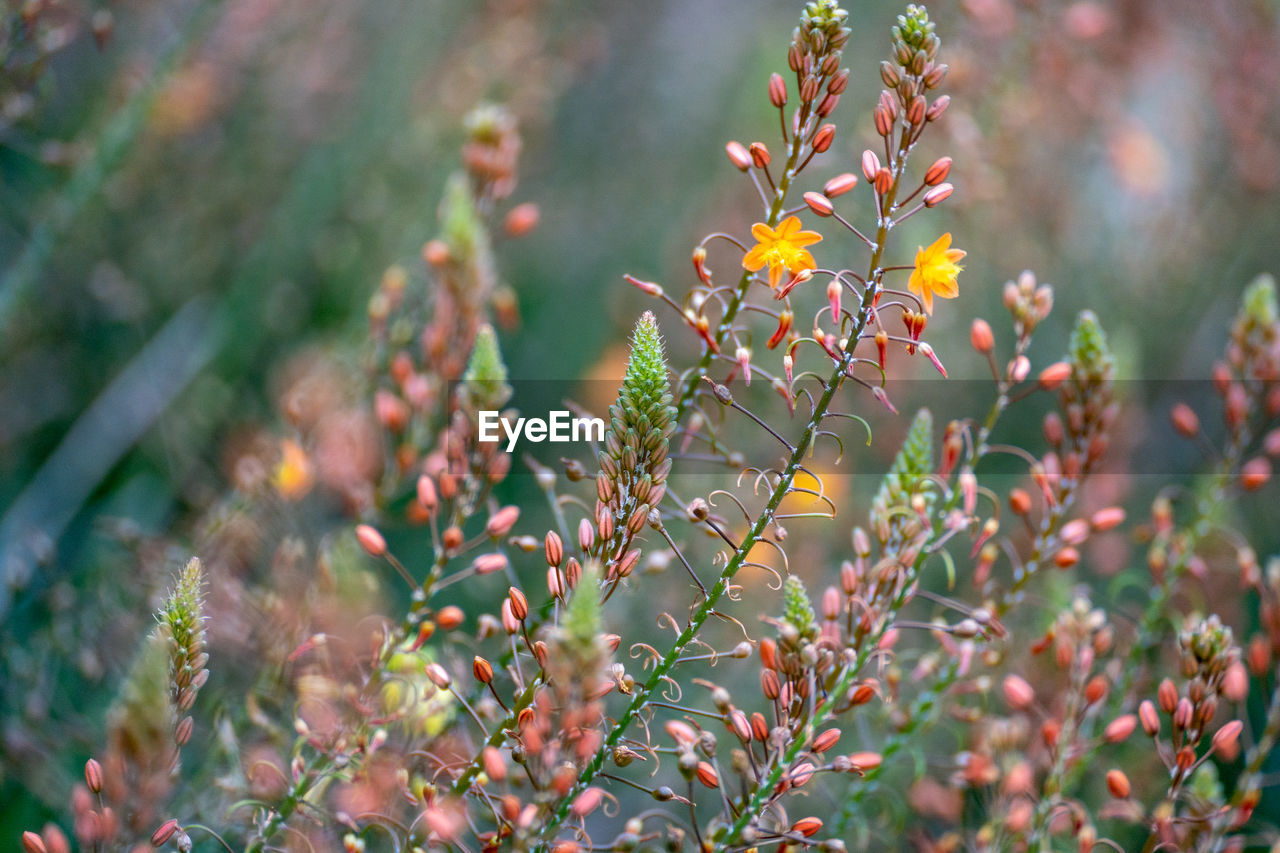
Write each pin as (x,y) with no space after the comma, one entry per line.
(692,379)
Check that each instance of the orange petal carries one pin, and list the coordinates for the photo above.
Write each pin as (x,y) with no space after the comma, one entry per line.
(763,233)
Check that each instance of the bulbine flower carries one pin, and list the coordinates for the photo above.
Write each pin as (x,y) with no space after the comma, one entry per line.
(936,271)
(781,248)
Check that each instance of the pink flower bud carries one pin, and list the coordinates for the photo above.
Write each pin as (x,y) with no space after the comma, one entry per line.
(501,522)
(1075,532)
(1019,368)
(645,286)
(371,540)
(487,564)
(938,195)
(1120,728)
(586,534)
(427,496)
(777,91)
(1235,684)
(870,165)
(587,802)
(438,676)
(1185,421)
(1107,518)
(980,336)
(1224,739)
(840,184)
(1018,693)
(1149,718)
(819,203)
(738,156)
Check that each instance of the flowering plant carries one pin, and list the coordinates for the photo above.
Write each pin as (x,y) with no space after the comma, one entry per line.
(949,646)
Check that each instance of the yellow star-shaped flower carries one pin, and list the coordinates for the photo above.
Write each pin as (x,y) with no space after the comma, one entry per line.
(780,248)
(936,271)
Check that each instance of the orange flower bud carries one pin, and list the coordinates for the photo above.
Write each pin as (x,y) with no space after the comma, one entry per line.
(738,156)
(1054,375)
(1095,689)
(1120,728)
(864,761)
(824,137)
(883,180)
(436,253)
(1118,784)
(482,670)
(1149,718)
(1019,501)
(938,172)
(769,653)
(807,826)
(1066,557)
(1108,518)
(1255,473)
(777,91)
(1185,421)
(707,775)
(522,219)
(33,843)
(1167,695)
(449,617)
(769,684)
(519,604)
(371,540)
(825,741)
(760,154)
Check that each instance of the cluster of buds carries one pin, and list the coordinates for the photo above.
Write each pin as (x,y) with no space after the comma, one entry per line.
(492,150)
(1213,674)
(912,73)
(483,387)
(633,461)
(182,618)
(814,56)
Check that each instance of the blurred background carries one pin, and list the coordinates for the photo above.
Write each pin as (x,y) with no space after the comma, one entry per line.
(198,197)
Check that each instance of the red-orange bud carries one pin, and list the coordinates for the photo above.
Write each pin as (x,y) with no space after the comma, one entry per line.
(371,540)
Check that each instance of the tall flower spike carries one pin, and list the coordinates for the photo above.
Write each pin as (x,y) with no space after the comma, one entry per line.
(633,463)
(798,609)
(913,463)
(484,385)
(182,619)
